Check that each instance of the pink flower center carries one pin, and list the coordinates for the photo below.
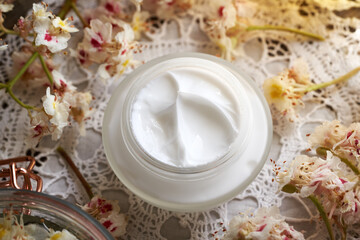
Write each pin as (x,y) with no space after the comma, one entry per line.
(100,201)
(261,228)
(82,54)
(63,84)
(109,7)
(107,223)
(38,130)
(21,23)
(221,11)
(96,43)
(106,208)
(48,37)
(171,3)
(343,181)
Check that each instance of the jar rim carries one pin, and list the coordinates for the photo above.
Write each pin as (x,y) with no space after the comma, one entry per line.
(44,202)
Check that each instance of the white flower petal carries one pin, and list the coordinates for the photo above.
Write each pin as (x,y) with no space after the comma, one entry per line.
(55,43)
(42,25)
(64,25)
(49,103)
(60,81)
(6,7)
(127,35)
(3,47)
(103,73)
(115,223)
(64,234)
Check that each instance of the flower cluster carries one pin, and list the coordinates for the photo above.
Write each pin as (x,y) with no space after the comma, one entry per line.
(12,228)
(267,223)
(64,234)
(4,7)
(106,11)
(51,34)
(169,8)
(224,22)
(286,90)
(343,141)
(330,180)
(109,40)
(107,44)
(107,212)
(57,108)
(114,11)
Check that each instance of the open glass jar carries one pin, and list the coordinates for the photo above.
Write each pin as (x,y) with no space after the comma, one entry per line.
(39,209)
(222,138)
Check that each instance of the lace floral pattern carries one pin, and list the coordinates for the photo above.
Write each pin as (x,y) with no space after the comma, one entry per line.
(264,54)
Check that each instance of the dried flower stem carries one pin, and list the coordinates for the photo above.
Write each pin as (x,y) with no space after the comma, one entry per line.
(285,29)
(72,165)
(343,228)
(323,215)
(47,72)
(322,152)
(335,81)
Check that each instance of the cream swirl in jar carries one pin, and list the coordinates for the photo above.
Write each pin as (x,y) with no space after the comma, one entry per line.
(186,117)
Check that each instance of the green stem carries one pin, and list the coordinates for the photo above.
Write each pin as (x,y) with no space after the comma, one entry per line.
(22,70)
(289,188)
(11,83)
(323,215)
(72,165)
(7,31)
(285,29)
(322,151)
(76,10)
(46,69)
(335,81)
(65,9)
(18,100)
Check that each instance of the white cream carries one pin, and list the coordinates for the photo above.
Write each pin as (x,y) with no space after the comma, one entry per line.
(186,116)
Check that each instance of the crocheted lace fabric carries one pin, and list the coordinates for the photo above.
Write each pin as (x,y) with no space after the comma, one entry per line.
(263,54)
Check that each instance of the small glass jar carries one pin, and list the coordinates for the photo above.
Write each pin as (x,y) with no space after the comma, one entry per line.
(188,188)
(38,208)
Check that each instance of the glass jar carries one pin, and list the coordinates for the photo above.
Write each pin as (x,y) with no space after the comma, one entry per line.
(55,213)
(188,188)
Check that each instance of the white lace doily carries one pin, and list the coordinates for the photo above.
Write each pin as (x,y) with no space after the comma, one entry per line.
(266,54)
